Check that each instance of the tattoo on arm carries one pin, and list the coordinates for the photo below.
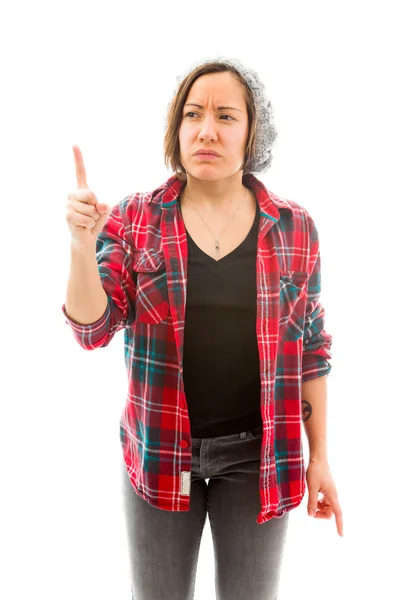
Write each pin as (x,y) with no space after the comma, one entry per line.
(307,410)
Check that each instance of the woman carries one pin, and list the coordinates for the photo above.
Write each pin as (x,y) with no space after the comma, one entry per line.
(215,281)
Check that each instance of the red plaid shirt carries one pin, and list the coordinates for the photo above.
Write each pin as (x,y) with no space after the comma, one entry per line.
(142,260)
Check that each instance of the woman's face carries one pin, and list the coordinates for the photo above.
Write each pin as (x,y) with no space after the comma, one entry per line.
(206,127)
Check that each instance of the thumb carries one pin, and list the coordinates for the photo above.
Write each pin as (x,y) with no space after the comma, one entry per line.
(312,502)
(104,211)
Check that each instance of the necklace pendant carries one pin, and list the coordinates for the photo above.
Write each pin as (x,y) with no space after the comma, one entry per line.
(217,248)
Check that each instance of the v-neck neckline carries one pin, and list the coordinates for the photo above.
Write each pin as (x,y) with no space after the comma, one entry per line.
(210,258)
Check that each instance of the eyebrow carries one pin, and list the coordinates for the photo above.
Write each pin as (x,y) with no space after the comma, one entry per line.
(218,107)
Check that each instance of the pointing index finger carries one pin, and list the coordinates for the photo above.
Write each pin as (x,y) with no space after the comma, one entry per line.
(80,168)
(338,515)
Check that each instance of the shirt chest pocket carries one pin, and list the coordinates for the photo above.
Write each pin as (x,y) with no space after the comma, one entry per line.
(292,304)
(152,304)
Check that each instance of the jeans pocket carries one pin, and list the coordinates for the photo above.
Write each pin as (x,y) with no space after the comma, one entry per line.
(255,433)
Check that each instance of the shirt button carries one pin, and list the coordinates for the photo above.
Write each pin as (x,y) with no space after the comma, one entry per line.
(183,444)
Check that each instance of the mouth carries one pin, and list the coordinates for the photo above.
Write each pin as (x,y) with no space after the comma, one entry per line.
(207,155)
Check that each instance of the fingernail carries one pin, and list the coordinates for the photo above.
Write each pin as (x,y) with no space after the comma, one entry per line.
(311,512)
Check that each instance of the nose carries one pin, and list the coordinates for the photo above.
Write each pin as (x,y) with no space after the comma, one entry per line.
(208,129)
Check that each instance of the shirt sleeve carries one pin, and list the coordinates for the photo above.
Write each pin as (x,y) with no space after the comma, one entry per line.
(316,341)
(114,256)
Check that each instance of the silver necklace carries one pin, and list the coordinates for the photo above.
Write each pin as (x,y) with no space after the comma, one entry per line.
(216,243)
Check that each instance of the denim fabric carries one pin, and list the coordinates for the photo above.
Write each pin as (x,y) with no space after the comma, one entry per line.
(164,545)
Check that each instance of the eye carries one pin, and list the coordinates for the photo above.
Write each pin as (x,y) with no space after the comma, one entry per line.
(193,113)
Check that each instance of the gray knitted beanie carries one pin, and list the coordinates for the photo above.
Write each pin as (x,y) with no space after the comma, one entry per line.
(266,133)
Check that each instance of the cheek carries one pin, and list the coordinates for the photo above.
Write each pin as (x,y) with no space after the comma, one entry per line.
(235,139)
(184,138)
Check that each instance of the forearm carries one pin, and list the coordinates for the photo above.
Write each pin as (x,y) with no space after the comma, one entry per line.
(314,411)
(86,299)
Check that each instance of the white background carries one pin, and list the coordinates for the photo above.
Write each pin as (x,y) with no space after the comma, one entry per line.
(100,75)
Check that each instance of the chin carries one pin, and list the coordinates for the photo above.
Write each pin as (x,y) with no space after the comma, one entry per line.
(200,174)
(208,171)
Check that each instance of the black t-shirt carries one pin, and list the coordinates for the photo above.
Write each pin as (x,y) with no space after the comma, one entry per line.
(221,366)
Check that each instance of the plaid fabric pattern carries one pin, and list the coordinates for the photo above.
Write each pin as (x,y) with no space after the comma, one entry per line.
(142,260)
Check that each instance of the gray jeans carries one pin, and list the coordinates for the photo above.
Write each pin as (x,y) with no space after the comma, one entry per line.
(164,545)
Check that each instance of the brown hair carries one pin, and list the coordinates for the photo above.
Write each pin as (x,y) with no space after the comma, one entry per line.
(174,118)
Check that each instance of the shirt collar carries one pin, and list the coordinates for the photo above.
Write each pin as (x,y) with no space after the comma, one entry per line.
(270,204)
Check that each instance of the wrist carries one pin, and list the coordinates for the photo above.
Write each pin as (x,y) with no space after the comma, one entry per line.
(318,457)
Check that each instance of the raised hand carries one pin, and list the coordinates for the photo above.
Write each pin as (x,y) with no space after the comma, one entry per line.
(85,216)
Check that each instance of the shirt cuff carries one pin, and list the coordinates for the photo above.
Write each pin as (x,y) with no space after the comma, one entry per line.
(91,335)
(314,365)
